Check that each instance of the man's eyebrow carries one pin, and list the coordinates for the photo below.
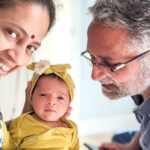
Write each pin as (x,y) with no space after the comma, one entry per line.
(107,58)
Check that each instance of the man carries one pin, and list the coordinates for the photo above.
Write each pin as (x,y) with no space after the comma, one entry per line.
(119,50)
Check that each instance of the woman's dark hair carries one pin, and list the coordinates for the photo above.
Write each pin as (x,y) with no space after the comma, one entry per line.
(4,4)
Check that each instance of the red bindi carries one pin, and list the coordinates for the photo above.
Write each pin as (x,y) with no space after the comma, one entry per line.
(32,36)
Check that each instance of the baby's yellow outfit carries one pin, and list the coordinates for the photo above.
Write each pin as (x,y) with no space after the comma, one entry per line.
(29,133)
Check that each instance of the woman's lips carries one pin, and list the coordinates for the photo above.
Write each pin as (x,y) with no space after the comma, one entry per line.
(4,67)
(2,72)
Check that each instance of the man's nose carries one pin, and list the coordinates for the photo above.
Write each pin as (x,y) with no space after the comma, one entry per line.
(99,72)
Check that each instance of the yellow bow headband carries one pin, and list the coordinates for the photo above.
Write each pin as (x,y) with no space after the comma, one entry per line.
(44,67)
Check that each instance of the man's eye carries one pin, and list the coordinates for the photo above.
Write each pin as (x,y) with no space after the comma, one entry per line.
(93,58)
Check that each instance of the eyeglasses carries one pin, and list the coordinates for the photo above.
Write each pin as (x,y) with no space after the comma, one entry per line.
(113,68)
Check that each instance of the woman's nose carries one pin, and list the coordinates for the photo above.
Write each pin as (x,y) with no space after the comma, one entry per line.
(98,73)
(19,56)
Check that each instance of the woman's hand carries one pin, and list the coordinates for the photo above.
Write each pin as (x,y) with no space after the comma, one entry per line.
(68,112)
(27,106)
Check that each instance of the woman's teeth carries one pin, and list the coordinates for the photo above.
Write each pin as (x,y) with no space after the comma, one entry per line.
(4,67)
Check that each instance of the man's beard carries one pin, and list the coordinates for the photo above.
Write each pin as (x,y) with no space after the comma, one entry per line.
(114,90)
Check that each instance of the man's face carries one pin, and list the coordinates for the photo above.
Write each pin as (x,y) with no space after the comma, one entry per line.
(108,45)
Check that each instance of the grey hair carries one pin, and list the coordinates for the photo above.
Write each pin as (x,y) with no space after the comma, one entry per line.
(133,15)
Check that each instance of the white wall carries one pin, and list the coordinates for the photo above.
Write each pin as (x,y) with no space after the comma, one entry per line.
(91,110)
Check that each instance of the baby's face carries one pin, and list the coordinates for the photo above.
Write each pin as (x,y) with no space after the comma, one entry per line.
(50,99)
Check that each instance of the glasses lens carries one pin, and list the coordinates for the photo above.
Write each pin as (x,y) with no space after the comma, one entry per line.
(87,57)
(91,61)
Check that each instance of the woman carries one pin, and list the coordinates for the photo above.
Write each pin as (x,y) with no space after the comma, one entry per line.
(23,25)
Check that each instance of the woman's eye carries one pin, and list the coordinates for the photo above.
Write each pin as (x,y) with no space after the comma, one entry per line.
(13,34)
(32,49)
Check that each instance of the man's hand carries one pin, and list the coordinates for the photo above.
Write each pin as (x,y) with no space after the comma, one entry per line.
(133,145)
(115,146)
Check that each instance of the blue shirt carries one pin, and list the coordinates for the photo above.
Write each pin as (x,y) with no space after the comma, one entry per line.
(142,113)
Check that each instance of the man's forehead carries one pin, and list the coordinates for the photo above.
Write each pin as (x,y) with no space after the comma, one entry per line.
(101,28)
(105,39)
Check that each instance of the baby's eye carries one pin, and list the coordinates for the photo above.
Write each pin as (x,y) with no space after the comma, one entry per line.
(13,34)
(43,94)
(60,98)
(31,48)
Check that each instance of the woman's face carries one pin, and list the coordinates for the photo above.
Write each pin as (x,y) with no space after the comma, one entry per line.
(21,31)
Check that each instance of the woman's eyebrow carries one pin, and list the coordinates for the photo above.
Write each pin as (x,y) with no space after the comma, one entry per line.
(37,43)
(24,32)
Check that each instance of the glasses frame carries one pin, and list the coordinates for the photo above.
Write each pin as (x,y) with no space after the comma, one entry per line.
(113,68)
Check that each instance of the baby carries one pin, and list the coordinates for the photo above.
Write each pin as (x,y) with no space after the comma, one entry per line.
(51,93)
